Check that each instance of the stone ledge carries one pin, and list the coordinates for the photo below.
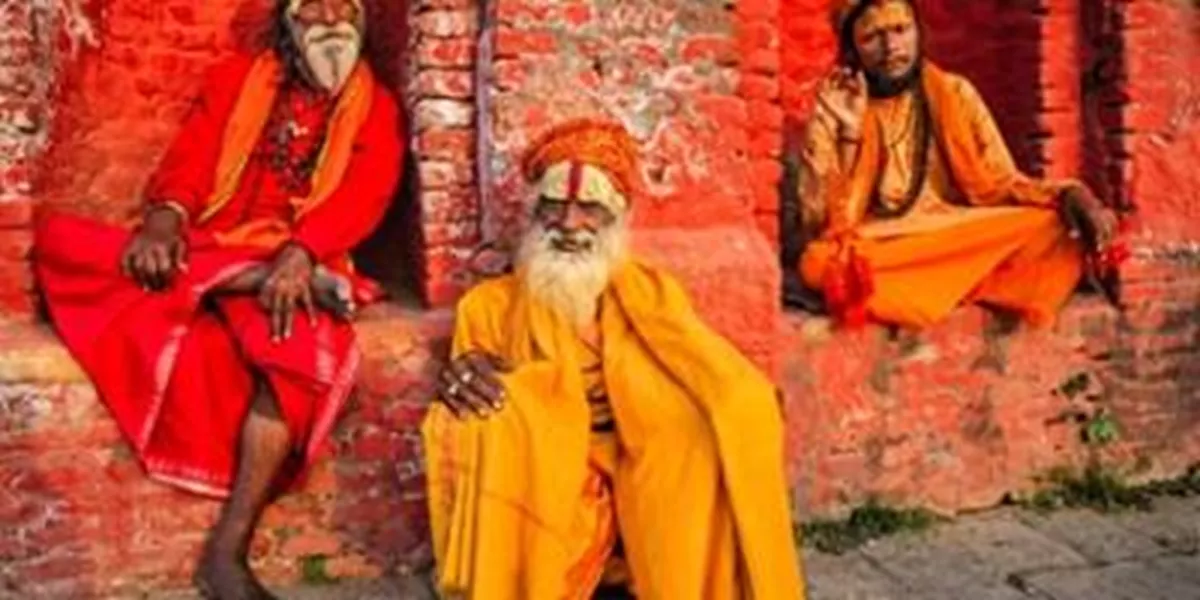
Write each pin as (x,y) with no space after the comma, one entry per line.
(30,353)
(951,420)
(962,415)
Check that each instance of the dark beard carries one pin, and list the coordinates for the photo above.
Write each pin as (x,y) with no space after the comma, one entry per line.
(882,86)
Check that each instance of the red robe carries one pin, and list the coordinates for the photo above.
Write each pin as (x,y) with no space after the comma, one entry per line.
(178,368)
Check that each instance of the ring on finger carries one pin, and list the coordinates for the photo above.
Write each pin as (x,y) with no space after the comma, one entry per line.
(452,389)
(466,378)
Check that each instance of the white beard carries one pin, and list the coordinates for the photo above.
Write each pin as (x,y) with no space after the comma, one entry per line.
(330,53)
(570,284)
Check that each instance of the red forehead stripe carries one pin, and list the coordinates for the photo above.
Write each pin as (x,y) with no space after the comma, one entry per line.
(574,180)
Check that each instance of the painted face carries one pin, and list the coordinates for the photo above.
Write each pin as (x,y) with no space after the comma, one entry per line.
(886,38)
(329,36)
(578,236)
(576,202)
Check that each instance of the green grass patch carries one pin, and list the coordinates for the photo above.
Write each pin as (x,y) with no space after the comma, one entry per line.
(869,522)
(314,570)
(1103,490)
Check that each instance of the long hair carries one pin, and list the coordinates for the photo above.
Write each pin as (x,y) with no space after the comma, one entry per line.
(923,128)
(277,37)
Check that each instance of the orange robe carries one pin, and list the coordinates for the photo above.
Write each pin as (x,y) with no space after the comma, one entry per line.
(979,230)
(177,368)
(530,502)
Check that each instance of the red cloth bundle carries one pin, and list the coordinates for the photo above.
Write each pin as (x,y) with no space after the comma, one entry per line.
(847,286)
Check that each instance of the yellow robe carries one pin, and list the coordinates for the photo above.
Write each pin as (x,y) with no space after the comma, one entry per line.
(694,475)
(979,230)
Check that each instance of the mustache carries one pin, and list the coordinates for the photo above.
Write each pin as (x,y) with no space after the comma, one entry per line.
(560,240)
(318,34)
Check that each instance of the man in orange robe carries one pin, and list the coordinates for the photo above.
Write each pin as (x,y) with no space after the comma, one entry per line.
(215,331)
(586,402)
(917,204)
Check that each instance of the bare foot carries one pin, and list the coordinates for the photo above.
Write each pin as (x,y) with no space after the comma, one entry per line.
(333,293)
(223,578)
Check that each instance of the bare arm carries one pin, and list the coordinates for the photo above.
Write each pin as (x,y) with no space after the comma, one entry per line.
(824,161)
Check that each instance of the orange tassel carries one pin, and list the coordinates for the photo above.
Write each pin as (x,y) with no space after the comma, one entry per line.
(847,287)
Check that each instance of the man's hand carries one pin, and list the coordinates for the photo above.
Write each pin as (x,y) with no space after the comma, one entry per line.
(157,252)
(1088,218)
(843,96)
(288,287)
(470,384)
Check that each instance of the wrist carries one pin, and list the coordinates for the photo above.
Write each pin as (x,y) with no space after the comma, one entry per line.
(296,251)
(166,211)
(162,220)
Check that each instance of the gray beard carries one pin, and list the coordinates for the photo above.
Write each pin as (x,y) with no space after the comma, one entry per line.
(328,61)
(570,284)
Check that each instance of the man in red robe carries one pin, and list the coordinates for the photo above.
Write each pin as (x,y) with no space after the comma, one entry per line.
(216,330)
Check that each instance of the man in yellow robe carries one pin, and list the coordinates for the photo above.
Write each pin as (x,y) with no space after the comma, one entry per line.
(587,407)
(913,198)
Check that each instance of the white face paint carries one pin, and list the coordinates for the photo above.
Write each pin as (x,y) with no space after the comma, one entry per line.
(330,52)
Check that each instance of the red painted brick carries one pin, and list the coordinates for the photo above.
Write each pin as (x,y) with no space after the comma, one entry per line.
(442,83)
(761,61)
(446,144)
(456,52)
(511,42)
(17,213)
(523,11)
(764,115)
(440,174)
(447,24)
(576,14)
(767,10)
(718,49)
(509,74)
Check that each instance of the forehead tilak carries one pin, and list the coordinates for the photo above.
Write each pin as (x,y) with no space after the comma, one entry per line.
(884,15)
(294,5)
(578,181)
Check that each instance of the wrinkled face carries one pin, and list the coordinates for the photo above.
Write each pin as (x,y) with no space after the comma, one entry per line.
(886,38)
(577,236)
(329,36)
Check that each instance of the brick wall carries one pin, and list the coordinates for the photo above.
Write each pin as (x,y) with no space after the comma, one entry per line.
(26,87)
(122,102)
(758,38)
(1162,138)
(668,70)
(442,93)
(972,413)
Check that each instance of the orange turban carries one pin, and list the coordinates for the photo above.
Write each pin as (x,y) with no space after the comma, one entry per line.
(603,145)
